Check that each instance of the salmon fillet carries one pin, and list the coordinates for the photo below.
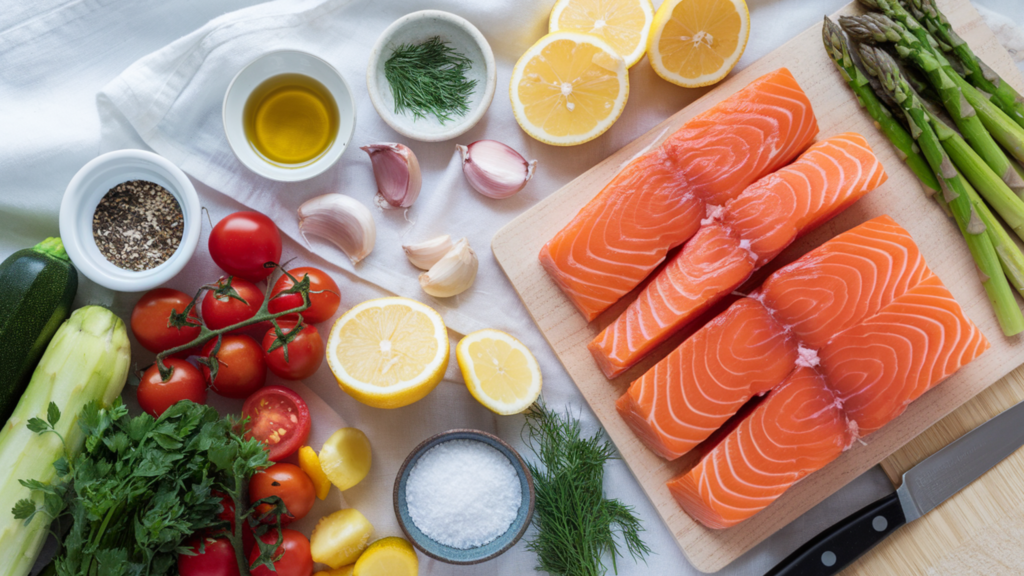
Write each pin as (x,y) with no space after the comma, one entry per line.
(657,201)
(735,240)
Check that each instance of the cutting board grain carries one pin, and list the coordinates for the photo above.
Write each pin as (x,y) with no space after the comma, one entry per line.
(516,246)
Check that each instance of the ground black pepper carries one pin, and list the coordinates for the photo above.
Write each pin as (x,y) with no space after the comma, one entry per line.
(137,225)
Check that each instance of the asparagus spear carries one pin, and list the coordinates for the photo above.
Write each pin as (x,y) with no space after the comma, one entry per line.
(978,73)
(954,193)
(958,97)
(839,50)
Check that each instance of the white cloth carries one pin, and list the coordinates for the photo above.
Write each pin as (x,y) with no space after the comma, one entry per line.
(56,55)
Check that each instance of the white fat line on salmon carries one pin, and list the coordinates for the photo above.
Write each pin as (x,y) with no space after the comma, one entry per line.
(646,149)
(713,213)
(807,357)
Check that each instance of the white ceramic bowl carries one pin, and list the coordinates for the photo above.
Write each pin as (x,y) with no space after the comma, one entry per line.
(84,193)
(267,66)
(462,36)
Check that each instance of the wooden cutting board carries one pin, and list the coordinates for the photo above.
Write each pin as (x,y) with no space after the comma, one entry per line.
(516,247)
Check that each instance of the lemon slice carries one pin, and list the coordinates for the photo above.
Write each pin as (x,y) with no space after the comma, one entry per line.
(346,457)
(310,464)
(623,24)
(697,42)
(499,371)
(388,352)
(568,88)
(391,556)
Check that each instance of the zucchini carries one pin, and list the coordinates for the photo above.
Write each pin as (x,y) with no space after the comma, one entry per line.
(87,361)
(37,288)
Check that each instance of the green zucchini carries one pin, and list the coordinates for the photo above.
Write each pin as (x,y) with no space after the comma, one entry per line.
(37,288)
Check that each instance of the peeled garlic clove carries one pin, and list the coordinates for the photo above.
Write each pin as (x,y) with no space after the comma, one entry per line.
(495,170)
(397,172)
(341,219)
(453,274)
(425,254)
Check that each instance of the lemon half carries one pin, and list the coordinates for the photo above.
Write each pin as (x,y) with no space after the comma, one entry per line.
(391,556)
(624,24)
(388,352)
(499,370)
(568,88)
(697,42)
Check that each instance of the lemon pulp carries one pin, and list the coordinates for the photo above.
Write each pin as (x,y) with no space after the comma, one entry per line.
(386,346)
(291,119)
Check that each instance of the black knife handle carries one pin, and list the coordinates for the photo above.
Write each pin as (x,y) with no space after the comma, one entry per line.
(845,541)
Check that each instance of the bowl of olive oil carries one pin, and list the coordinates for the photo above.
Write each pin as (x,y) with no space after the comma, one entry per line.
(288,115)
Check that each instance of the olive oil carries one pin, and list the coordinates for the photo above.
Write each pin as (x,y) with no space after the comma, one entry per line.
(291,120)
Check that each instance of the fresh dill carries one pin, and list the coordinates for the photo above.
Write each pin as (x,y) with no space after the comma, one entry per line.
(430,78)
(576,525)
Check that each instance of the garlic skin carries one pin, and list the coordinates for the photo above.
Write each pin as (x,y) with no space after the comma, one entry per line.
(494,169)
(453,274)
(397,172)
(425,254)
(343,220)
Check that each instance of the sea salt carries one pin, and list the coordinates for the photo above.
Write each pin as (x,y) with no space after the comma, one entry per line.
(463,493)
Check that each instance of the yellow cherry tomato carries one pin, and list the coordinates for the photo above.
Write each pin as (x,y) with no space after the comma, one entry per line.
(340,538)
(310,464)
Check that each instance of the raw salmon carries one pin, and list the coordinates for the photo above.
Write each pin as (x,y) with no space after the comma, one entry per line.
(657,201)
(735,240)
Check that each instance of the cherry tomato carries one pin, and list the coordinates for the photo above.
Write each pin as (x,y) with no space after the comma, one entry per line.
(297,559)
(227,514)
(221,310)
(279,418)
(150,317)
(324,296)
(217,559)
(186,383)
(290,483)
(305,352)
(242,242)
(241,369)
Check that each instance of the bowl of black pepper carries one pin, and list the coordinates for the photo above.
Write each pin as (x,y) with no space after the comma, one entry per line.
(129,220)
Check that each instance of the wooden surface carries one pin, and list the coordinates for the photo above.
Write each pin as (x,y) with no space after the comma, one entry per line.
(516,247)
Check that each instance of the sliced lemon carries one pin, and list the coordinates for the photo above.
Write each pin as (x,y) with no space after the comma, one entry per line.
(340,537)
(310,464)
(346,457)
(499,370)
(391,556)
(388,352)
(697,42)
(568,88)
(343,571)
(623,24)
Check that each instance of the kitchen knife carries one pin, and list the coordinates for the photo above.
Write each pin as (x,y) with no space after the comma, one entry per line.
(924,487)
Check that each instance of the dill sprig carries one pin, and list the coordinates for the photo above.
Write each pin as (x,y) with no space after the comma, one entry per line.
(576,524)
(429,78)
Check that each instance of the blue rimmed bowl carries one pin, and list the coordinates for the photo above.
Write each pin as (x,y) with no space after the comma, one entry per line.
(479,554)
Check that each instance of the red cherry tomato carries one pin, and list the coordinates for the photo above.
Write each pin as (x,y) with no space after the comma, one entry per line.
(186,383)
(227,514)
(241,243)
(221,310)
(297,559)
(150,317)
(305,352)
(290,483)
(324,296)
(271,410)
(217,559)
(241,369)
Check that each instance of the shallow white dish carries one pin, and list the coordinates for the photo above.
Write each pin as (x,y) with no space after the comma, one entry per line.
(462,36)
(84,193)
(267,66)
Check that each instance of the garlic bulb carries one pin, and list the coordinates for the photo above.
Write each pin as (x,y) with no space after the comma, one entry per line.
(397,172)
(425,254)
(341,219)
(495,170)
(453,274)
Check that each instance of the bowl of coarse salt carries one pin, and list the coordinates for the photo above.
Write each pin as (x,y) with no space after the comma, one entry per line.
(464,497)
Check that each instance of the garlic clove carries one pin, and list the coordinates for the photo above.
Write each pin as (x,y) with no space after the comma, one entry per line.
(494,169)
(453,274)
(341,219)
(425,254)
(397,172)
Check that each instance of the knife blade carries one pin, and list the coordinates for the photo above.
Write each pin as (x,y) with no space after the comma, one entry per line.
(924,487)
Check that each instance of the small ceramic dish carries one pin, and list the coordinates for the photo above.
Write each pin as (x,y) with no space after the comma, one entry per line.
(464,38)
(91,184)
(479,554)
(273,64)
